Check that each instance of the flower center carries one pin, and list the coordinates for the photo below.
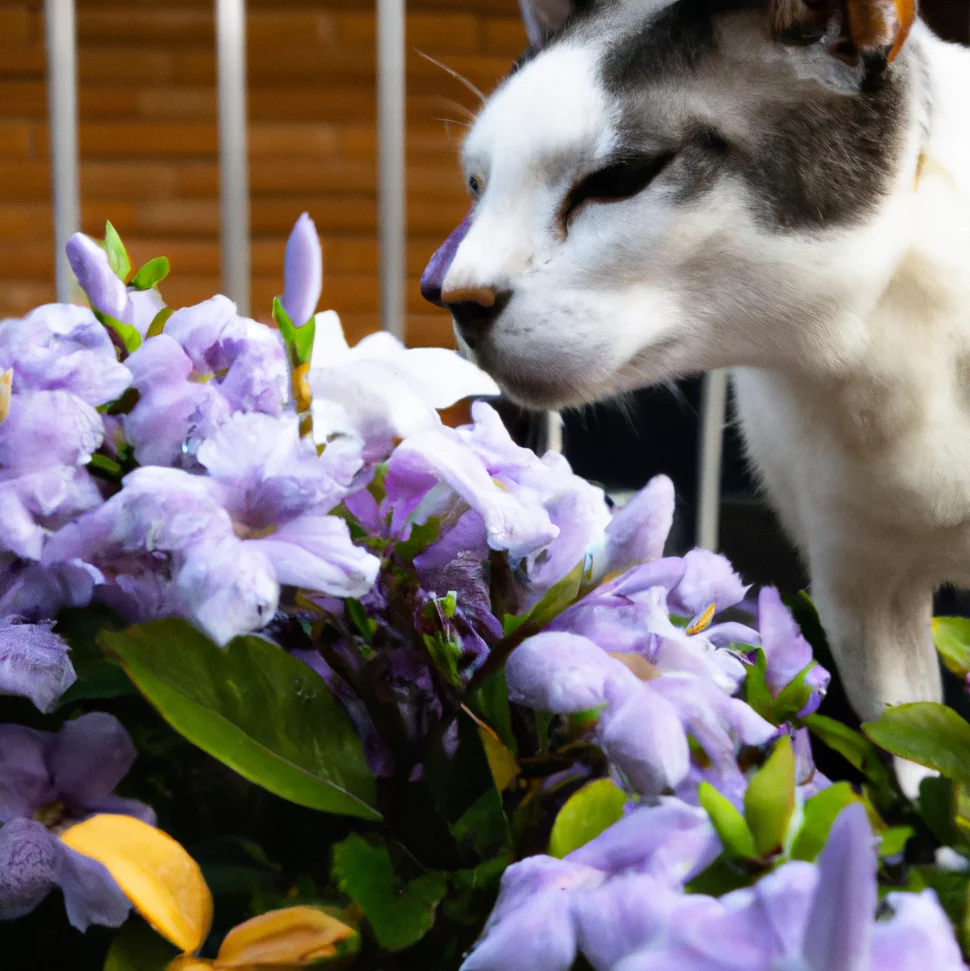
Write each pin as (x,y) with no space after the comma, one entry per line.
(51,815)
(253,532)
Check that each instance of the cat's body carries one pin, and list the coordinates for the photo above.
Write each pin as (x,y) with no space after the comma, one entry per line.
(663,190)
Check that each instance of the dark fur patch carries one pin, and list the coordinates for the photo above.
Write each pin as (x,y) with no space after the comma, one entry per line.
(828,159)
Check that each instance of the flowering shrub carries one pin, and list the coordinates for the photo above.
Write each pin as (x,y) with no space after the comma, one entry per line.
(302,675)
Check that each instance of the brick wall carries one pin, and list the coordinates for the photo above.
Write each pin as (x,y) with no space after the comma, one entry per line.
(148,139)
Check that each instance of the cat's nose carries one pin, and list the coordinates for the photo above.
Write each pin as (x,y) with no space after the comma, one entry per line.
(475,310)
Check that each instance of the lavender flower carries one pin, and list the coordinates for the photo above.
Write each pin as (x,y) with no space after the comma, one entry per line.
(48,782)
(787,653)
(302,271)
(90,264)
(34,662)
(207,365)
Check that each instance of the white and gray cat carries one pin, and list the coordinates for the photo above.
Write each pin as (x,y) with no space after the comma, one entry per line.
(661,188)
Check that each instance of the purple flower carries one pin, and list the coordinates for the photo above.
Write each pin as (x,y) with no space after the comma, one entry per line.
(708,579)
(302,271)
(59,347)
(811,917)
(216,548)
(48,782)
(605,899)
(34,662)
(787,653)
(104,290)
(36,592)
(638,532)
(532,926)
(49,428)
(644,724)
(207,365)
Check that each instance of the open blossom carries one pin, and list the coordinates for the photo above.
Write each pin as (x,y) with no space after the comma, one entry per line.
(47,783)
(217,548)
(380,390)
(34,662)
(207,365)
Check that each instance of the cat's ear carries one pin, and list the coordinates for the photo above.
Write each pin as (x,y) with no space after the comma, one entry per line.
(544,17)
(867,34)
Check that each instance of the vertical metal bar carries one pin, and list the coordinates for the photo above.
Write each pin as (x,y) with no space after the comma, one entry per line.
(554,432)
(61,37)
(713,418)
(233,150)
(391,161)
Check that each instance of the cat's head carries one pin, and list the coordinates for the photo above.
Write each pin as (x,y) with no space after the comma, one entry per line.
(660,188)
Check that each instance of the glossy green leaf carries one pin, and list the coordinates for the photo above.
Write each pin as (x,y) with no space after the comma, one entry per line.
(728,823)
(118,258)
(251,705)
(305,336)
(952,638)
(157,326)
(152,273)
(937,806)
(854,747)
(300,339)
(894,840)
(756,691)
(819,813)
(129,336)
(770,800)
(927,733)
(400,915)
(586,814)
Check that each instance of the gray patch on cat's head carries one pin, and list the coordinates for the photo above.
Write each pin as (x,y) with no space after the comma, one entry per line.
(810,157)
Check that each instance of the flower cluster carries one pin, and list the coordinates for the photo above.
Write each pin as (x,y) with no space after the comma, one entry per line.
(447,585)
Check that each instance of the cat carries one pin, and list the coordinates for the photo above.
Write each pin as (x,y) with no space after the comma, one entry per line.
(662,188)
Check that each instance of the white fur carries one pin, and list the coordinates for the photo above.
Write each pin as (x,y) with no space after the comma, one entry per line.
(851,347)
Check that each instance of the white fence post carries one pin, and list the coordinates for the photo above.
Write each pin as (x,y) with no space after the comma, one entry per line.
(61,36)
(233,151)
(391,80)
(713,418)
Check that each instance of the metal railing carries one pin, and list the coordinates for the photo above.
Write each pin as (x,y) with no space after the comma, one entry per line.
(230,16)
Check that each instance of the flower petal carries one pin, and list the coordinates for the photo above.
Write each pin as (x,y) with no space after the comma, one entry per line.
(563,673)
(25,784)
(638,531)
(29,858)
(155,873)
(708,579)
(302,271)
(88,757)
(839,929)
(91,895)
(34,663)
(104,289)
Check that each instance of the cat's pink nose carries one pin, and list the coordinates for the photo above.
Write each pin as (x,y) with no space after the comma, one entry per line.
(484,296)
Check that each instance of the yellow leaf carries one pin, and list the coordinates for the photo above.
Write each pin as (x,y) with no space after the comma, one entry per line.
(153,871)
(293,937)
(188,962)
(500,760)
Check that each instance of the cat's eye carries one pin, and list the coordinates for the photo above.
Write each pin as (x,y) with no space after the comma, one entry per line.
(620,180)
(475,185)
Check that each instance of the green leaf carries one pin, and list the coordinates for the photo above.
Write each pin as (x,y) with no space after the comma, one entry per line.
(756,691)
(399,916)
(586,814)
(157,326)
(729,824)
(136,947)
(925,732)
(251,705)
(820,813)
(305,336)
(952,638)
(770,800)
(129,336)
(97,676)
(152,273)
(420,538)
(490,702)
(118,258)
(855,748)
(359,617)
(894,840)
(937,806)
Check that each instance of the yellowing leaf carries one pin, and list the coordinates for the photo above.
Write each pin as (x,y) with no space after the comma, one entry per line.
(153,871)
(188,962)
(500,760)
(293,937)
